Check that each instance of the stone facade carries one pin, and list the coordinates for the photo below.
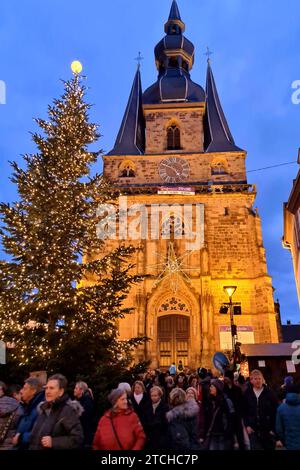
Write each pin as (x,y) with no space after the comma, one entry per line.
(232,253)
(177,305)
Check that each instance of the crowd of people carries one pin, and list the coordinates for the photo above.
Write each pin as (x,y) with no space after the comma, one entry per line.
(160,411)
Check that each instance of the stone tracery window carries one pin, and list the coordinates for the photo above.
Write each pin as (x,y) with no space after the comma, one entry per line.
(173,304)
(173,137)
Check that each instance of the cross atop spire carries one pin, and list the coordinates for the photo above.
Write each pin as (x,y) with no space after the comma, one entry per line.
(139,59)
(208,53)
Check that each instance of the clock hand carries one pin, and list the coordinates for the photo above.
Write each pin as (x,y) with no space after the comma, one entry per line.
(173,169)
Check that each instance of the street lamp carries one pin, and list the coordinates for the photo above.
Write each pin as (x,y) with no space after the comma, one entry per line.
(230,290)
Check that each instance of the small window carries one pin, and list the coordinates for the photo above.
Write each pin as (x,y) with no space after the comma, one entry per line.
(127,169)
(173,138)
(219,167)
(174,29)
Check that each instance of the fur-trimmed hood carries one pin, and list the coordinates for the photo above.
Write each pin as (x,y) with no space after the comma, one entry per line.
(77,407)
(188,409)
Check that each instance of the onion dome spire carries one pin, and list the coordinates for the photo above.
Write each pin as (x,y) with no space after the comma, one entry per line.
(174,58)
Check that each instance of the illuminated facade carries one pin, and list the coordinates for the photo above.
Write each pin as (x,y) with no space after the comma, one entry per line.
(174,148)
(291,235)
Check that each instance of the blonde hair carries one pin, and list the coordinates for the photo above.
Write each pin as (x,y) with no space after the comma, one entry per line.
(177,396)
(192,389)
(158,389)
(256,372)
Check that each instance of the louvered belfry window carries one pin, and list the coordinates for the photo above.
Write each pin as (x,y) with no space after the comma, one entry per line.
(173,138)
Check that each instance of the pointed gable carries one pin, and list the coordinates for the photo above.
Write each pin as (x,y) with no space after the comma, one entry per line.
(217,135)
(131,136)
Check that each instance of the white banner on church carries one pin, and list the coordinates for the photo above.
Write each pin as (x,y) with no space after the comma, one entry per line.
(245,335)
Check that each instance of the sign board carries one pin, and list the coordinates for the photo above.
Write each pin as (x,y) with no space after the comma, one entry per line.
(290,366)
(245,335)
(188,191)
(2,352)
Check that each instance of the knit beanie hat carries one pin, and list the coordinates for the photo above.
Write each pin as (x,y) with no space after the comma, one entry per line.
(219,384)
(114,395)
(288,380)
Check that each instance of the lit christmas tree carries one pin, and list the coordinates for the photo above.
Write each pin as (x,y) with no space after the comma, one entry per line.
(51,321)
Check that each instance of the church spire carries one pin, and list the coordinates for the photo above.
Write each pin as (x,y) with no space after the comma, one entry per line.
(131,136)
(217,135)
(174,19)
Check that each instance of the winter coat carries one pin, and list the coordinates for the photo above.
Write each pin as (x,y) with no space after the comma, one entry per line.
(27,421)
(140,408)
(60,420)
(156,426)
(87,418)
(127,427)
(288,422)
(182,427)
(219,417)
(9,407)
(260,414)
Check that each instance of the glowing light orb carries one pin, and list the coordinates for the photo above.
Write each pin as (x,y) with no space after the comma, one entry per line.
(76,66)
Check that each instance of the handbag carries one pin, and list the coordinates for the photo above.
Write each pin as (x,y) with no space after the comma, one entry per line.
(115,433)
(206,442)
(4,429)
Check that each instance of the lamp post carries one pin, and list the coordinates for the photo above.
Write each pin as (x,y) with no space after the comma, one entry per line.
(230,290)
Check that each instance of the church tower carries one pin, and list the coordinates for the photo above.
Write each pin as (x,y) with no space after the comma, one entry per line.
(185,190)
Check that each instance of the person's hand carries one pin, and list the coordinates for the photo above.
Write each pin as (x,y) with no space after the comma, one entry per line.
(46,441)
(15,439)
(249,430)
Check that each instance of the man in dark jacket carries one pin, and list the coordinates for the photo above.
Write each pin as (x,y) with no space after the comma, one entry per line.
(87,419)
(31,396)
(236,396)
(288,419)
(58,425)
(259,413)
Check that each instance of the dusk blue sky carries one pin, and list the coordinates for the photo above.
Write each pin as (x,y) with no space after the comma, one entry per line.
(256,57)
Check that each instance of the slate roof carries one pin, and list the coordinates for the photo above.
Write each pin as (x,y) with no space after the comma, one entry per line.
(217,135)
(131,136)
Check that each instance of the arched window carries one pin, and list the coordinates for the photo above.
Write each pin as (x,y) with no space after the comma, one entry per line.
(172,228)
(174,29)
(127,169)
(173,137)
(219,166)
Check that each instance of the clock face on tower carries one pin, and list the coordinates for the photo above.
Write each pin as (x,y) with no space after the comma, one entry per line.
(174,170)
